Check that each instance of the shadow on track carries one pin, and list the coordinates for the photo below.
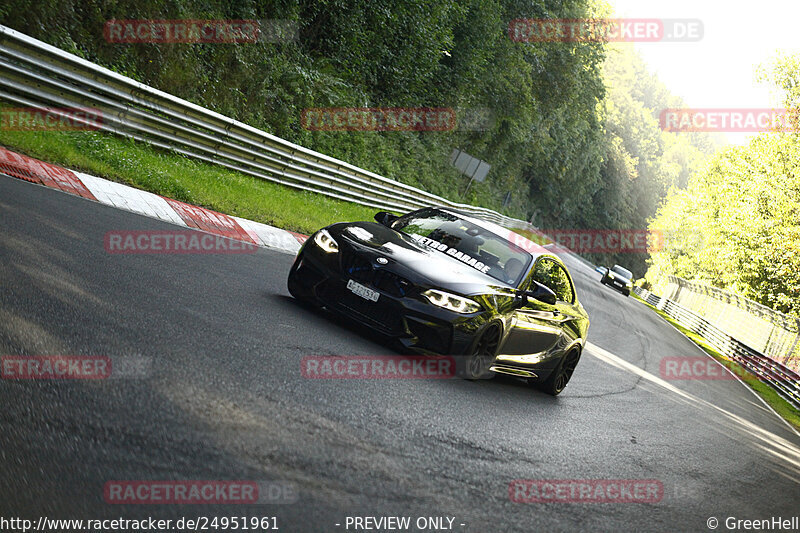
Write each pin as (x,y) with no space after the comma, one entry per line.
(395,349)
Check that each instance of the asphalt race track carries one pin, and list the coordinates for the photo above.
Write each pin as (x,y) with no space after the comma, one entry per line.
(223,399)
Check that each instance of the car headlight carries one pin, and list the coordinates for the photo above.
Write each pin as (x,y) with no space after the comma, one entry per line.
(453,302)
(324,240)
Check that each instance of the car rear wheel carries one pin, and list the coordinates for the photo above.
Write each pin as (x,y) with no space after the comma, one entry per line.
(558,380)
(476,365)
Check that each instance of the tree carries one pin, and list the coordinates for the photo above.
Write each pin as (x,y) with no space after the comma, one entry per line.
(746,207)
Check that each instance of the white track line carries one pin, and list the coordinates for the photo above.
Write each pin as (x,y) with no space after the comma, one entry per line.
(745,385)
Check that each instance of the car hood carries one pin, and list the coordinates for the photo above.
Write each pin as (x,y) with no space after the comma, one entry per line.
(413,260)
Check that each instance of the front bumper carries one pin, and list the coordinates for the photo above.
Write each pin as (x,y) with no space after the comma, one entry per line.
(401,312)
(617,284)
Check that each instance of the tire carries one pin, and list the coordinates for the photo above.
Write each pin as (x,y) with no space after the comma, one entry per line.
(558,379)
(476,365)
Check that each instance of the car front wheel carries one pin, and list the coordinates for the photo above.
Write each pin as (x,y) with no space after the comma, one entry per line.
(476,365)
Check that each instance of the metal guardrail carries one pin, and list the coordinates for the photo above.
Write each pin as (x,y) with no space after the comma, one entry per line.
(36,74)
(784,380)
(648,296)
(766,330)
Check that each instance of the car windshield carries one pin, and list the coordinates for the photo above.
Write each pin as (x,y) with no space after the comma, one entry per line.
(625,273)
(471,244)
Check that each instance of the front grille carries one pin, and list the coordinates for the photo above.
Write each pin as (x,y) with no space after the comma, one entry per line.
(391,283)
(383,314)
(360,269)
(357,268)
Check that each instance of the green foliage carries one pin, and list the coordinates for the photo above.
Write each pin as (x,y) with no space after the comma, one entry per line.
(640,162)
(176,176)
(574,138)
(737,226)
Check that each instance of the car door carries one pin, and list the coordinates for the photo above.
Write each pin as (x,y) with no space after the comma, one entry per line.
(536,328)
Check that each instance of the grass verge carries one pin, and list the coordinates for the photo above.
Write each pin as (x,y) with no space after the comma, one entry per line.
(175,176)
(773,399)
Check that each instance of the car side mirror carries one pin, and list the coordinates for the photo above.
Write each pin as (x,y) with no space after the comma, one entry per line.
(541,293)
(385,218)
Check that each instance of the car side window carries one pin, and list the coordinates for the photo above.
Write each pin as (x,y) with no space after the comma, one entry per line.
(552,275)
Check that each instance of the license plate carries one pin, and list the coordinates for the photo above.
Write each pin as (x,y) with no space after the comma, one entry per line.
(360,290)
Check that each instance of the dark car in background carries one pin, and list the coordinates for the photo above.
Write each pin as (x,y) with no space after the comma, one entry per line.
(619,278)
(441,282)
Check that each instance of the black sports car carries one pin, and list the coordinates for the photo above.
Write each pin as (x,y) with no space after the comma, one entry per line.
(620,278)
(441,282)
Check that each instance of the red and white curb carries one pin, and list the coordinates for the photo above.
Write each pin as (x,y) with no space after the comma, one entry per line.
(148,204)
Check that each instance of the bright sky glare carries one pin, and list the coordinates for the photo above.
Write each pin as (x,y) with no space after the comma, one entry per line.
(719,70)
